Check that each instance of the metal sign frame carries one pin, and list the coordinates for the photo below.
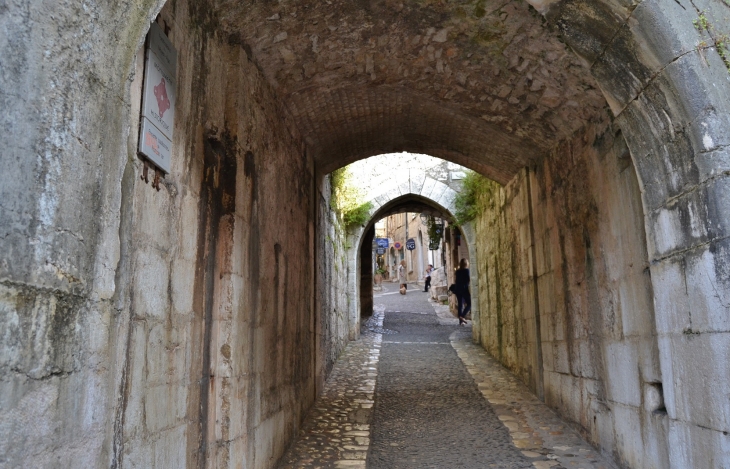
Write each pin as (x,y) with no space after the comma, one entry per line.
(159,94)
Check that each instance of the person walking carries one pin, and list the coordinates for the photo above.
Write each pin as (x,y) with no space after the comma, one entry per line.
(462,290)
(402,278)
(427,285)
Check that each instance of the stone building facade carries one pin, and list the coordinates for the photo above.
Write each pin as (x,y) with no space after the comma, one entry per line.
(417,259)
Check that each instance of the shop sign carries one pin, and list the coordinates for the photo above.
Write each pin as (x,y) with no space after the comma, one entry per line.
(159,92)
(411,244)
(155,145)
(381,242)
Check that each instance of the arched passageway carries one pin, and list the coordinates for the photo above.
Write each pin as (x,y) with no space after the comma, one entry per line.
(194,325)
(414,192)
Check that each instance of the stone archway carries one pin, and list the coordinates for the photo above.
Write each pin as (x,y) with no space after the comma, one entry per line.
(84,245)
(413,187)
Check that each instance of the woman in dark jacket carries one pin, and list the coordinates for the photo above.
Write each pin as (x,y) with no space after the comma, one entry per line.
(462,290)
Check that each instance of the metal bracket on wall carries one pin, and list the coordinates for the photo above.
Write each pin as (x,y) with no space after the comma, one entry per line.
(145,173)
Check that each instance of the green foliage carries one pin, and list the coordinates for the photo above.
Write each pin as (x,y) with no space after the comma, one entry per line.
(435,230)
(346,199)
(721,41)
(338,186)
(701,22)
(722,44)
(357,215)
(474,197)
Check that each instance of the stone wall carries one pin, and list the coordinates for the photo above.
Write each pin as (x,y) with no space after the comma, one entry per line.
(577,324)
(332,269)
(220,351)
(101,314)
(64,92)
(164,329)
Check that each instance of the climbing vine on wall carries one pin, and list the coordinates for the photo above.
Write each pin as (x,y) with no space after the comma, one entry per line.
(435,228)
(347,199)
(474,197)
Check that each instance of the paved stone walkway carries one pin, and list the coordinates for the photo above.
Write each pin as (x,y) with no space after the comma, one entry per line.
(336,433)
(428,411)
(415,392)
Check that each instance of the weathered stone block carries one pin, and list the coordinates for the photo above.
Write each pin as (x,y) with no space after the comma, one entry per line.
(670,296)
(447,200)
(703,79)
(158,371)
(694,446)
(43,331)
(636,309)
(562,357)
(139,453)
(170,449)
(438,191)
(630,436)
(135,410)
(151,282)
(706,270)
(713,163)
(182,286)
(416,181)
(695,387)
(598,23)
(154,221)
(689,220)
(622,377)
(584,364)
(428,187)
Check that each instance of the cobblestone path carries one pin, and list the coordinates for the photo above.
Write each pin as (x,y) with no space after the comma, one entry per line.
(415,392)
(429,413)
(336,433)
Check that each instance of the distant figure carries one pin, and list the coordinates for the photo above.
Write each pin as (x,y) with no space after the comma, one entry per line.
(427,285)
(402,278)
(462,290)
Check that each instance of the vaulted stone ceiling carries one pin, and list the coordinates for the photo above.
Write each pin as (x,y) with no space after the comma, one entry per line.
(483,83)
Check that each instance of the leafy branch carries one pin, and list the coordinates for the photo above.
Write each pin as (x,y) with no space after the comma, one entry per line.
(474,197)
(347,199)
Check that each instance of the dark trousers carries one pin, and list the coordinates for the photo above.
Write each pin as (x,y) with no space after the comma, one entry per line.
(428,284)
(464,303)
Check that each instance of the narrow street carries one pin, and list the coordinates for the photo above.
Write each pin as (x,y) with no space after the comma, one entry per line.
(415,392)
